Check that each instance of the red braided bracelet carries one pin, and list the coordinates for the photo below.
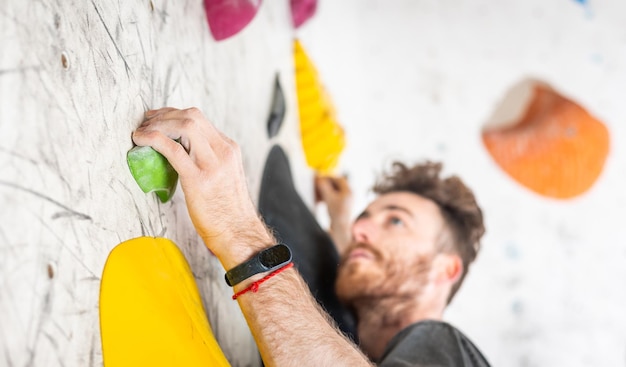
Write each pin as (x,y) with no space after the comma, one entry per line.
(254,287)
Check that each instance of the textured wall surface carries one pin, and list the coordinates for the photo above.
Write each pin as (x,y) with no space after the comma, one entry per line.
(410,79)
(75,79)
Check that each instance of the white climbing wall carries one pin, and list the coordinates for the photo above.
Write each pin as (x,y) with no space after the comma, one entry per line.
(75,79)
(419,79)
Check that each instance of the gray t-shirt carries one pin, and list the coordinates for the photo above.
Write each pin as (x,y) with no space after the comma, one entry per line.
(433,344)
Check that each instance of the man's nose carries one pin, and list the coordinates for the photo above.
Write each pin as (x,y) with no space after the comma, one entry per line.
(363,230)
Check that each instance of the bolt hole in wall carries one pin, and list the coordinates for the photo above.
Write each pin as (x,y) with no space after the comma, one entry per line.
(65,62)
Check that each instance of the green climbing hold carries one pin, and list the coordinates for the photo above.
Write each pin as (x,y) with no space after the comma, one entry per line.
(152,172)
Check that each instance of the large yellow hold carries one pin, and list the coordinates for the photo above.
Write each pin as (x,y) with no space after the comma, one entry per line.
(151,313)
(323,139)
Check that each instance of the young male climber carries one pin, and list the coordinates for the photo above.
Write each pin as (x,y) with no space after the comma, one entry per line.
(407,254)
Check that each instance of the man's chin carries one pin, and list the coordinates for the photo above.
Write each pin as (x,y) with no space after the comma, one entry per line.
(354,283)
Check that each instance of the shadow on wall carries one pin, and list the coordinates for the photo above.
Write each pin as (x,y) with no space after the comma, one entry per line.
(545,141)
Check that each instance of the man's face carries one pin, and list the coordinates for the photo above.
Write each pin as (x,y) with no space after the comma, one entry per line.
(393,243)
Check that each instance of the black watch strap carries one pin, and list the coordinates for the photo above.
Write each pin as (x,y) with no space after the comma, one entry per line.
(267,260)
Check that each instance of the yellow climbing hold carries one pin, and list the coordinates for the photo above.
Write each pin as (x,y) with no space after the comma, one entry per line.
(151,313)
(323,139)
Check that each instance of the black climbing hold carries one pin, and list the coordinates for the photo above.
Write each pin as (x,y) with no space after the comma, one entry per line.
(277,110)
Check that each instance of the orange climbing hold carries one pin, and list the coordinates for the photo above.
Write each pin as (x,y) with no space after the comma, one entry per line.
(323,139)
(556,149)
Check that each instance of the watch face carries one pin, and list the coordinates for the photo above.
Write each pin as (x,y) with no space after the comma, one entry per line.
(275,256)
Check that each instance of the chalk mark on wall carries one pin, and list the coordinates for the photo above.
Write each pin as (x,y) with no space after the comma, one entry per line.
(69,211)
(20,70)
(106,28)
(78,259)
(166,88)
(97,73)
(46,310)
(144,227)
(17,155)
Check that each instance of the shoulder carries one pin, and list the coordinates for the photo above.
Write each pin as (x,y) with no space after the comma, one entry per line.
(431,343)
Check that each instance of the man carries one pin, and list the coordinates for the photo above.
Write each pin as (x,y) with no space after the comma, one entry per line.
(408,252)
(404,260)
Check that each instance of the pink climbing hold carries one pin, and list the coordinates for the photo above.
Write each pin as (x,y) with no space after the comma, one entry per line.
(302,10)
(228,17)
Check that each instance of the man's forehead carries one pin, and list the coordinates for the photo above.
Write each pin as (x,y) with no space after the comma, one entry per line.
(403,200)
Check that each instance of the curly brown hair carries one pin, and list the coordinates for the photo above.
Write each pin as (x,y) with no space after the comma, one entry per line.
(456,201)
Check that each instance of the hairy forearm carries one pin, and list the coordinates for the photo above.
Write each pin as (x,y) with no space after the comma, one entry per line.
(288,325)
(290,328)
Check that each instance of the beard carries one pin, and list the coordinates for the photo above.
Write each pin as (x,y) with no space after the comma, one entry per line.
(391,276)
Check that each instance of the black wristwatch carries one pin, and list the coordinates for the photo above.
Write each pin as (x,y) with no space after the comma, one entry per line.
(266,260)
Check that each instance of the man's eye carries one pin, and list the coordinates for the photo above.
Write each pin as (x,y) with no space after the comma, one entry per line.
(395,221)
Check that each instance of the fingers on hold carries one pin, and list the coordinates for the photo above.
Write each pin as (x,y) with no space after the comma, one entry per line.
(317,180)
(187,123)
(228,140)
(152,120)
(174,114)
(186,143)
(179,158)
(142,136)
(324,185)
(193,113)
(189,118)
(193,118)
(173,151)
(342,184)
(231,152)
(157,111)
(317,194)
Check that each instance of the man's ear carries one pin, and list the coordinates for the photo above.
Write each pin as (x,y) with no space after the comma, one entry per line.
(449,268)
